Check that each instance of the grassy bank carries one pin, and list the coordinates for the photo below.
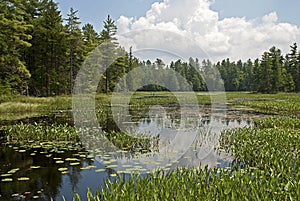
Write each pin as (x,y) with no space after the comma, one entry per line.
(287,104)
(281,103)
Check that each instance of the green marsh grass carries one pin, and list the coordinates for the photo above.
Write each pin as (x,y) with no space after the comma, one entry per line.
(278,122)
(18,107)
(137,142)
(287,104)
(266,167)
(35,132)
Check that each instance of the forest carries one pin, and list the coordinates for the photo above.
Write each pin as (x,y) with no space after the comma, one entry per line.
(41,54)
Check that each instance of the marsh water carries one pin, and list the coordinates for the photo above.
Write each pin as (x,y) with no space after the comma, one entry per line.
(39,174)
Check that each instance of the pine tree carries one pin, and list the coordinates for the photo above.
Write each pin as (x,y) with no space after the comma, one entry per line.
(277,65)
(266,74)
(91,38)
(288,81)
(257,76)
(109,42)
(248,66)
(13,38)
(293,67)
(75,44)
(48,53)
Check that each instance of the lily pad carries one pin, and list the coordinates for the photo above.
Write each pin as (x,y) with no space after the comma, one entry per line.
(23,179)
(100,170)
(71,159)
(62,169)
(88,167)
(13,171)
(75,163)
(112,166)
(35,167)
(7,180)
(6,175)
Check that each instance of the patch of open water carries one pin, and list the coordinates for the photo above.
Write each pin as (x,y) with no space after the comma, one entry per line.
(36,173)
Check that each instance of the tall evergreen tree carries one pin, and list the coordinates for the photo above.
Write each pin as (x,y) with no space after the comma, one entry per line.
(75,44)
(288,82)
(248,66)
(277,65)
(109,42)
(257,76)
(13,38)
(48,53)
(293,67)
(91,38)
(266,73)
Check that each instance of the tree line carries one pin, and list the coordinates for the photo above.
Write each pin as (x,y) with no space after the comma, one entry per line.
(41,54)
(272,73)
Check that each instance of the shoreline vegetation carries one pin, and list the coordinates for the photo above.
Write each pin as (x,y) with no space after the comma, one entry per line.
(286,104)
(266,156)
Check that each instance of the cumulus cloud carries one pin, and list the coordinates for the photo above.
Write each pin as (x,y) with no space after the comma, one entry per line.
(186,26)
(270,18)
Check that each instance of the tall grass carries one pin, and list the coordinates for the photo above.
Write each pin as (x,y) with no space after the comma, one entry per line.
(287,104)
(35,132)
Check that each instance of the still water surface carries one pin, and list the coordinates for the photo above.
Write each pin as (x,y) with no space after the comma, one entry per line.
(36,174)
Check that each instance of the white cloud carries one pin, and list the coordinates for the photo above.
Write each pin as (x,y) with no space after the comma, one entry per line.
(182,25)
(124,24)
(270,18)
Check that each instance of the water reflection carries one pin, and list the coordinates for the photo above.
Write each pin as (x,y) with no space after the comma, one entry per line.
(48,182)
(196,149)
(44,179)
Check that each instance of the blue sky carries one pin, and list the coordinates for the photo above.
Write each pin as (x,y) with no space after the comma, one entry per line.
(238,29)
(287,10)
(95,11)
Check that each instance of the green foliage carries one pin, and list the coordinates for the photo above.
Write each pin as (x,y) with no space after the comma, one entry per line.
(47,56)
(200,184)
(13,38)
(41,56)
(293,68)
(90,37)
(271,74)
(269,149)
(36,132)
(281,103)
(266,167)
(266,157)
(137,142)
(278,122)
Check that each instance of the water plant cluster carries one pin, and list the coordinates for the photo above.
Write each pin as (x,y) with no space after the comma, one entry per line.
(138,143)
(37,132)
(266,167)
(273,104)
